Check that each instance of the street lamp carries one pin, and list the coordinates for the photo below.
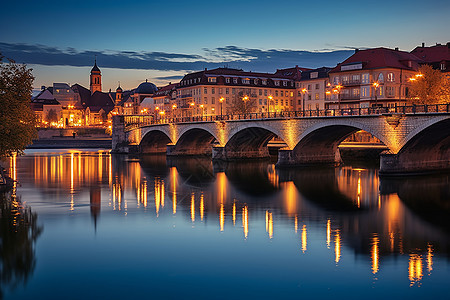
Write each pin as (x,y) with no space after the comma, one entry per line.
(221,103)
(201,105)
(268,105)
(304,91)
(376,85)
(192,105)
(337,90)
(173,110)
(245,99)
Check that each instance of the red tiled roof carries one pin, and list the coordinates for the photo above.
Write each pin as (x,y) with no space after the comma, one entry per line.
(433,54)
(165,90)
(378,58)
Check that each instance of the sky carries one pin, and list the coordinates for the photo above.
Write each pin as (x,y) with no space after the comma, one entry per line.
(163,40)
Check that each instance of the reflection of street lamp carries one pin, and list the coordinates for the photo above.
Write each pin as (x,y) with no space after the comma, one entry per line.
(270,100)
(221,103)
(304,91)
(376,85)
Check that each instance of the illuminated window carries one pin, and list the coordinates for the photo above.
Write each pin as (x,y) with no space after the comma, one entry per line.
(235,80)
(381,77)
(277,82)
(227,80)
(264,82)
(316,96)
(365,78)
(284,83)
(390,77)
(205,91)
(212,79)
(245,81)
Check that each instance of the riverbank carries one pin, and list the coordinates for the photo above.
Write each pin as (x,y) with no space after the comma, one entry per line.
(68,143)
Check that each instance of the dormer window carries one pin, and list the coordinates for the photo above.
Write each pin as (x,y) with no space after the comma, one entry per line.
(277,82)
(443,66)
(227,80)
(390,77)
(245,81)
(284,83)
(235,80)
(212,79)
(255,81)
(264,82)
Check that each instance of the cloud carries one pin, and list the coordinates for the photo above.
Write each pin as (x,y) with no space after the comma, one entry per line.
(231,56)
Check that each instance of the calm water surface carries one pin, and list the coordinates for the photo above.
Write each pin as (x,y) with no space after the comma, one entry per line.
(87,224)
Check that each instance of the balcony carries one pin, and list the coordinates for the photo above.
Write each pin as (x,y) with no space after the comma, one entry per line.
(185,96)
(351,82)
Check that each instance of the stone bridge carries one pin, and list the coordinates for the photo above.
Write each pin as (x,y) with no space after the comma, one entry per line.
(417,142)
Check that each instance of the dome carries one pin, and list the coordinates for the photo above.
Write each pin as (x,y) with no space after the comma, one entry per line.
(146,88)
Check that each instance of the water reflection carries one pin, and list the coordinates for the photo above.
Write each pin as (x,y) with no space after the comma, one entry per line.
(349,207)
(18,234)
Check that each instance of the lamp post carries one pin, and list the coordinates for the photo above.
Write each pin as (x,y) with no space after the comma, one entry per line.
(173,110)
(192,104)
(245,99)
(304,91)
(201,105)
(337,90)
(376,85)
(268,105)
(221,103)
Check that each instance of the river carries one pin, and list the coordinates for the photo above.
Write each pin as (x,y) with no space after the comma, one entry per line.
(85,224)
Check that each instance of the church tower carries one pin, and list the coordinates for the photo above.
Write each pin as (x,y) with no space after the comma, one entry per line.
(118,95)
(96,79)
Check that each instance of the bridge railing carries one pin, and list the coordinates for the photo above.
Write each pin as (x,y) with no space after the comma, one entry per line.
(135,121)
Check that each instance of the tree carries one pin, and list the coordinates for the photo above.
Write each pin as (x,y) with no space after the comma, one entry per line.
(430,87)
(242,103)
(17,120)
(52,116)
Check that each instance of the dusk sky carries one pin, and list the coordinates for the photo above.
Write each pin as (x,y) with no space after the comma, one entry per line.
(163,40)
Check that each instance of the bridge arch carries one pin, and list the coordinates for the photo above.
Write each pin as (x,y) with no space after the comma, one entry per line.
(249,142)
(193,141)
(154,141)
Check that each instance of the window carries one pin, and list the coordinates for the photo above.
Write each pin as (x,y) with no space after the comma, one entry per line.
(213,100)
(284,83)
(227,91)
(277,82)
(309,87)
(233,91)
(260,92)
(227,80)
(276,93)
(206,100)
(265,92)
(390,77)
(355,93)
(442,66)
(390,91)
(336,80)
(260,101)
(316,96)
(365,78)
(286,93)
(355,78)
(317,105)
(220,90)
(255,81)
(264,82)
(235,80)
(292,94)
(317,86)
(205,91)
(345,79)
(213,90)
(309,97)
(245,81)
(381,77)
(212,79)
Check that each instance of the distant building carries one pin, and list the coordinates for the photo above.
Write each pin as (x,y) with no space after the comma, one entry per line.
(312,89)
(372,77)
(438,56)
(217,91)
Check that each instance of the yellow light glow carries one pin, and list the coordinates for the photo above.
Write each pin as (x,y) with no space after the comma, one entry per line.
(415,269)
(234,213)
(304,238)
(245,220)
(269,224)
(173,172)
(222,217)
(202,206)
(430,258)
(192,207)
(375,255)
(221,99)
(337,246)
(328,233)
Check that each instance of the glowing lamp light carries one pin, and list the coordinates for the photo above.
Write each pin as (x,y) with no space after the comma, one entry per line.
(221,99)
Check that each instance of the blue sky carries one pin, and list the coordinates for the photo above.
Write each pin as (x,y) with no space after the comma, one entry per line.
(162,40)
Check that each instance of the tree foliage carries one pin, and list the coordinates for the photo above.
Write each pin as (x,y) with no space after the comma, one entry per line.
(242,104)
(431,87)
(17,120)
(52,116)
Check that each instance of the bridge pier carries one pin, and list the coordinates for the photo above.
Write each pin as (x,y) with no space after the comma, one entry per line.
(289,158)
(401,164)
(226,154)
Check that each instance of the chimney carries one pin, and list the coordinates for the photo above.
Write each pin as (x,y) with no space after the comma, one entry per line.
(356,50)
(43,87)
(423,45)
(396,48)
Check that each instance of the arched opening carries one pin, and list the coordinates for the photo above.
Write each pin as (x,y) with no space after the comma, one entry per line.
(321,147)
(154,142)
(249,143)
(427,151)
(194,142)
